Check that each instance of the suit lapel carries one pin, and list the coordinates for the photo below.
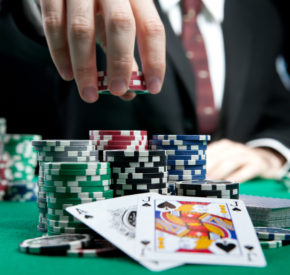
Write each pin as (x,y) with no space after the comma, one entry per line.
(238,42)
(175,52)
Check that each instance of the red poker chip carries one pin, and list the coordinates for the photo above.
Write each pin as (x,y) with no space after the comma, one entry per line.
(117,138)
(118,132)
(134,73)
(120,147)
(120,143)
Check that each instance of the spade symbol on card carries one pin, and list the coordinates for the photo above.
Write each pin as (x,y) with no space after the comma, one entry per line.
(146,202)
(145,244)
(251,253)
(225,246)
(166,206)
(82,212)
(249,247)
(236,207)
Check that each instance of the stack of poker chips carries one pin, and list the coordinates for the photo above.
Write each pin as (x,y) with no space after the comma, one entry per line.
(186,156)
(3,162)
(136,172)
(286,180)
(119,140)
(71,183)
(208,189)
(137,83)
(20,170)
(59,151)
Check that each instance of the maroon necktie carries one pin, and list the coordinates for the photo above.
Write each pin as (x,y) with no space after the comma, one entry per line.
(193,43)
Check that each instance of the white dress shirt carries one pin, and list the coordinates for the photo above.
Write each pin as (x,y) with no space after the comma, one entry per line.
(209,21)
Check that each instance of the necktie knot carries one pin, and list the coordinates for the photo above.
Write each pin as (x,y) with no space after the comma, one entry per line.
(191,8)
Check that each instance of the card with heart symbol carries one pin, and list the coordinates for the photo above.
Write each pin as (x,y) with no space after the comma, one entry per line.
(196,230)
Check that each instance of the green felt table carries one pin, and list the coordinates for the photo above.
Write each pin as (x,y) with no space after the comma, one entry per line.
(18,222)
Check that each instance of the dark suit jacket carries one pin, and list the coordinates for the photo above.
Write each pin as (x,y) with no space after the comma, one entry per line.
(256,105)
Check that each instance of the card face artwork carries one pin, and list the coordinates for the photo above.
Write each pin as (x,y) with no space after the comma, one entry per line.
(115,220)
(197,230)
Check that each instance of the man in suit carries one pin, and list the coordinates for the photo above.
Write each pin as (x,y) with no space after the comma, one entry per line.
(252,105)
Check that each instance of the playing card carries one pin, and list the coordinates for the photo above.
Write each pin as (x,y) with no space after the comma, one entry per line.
(196,230)
(115,220)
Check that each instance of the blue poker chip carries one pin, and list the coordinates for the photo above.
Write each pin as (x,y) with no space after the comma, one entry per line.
(184,157)
(182,137)
(185,152)
(185,162)
(187,172)
(177,142)
(178,147)
(273,233)
(186,167)
(185,177)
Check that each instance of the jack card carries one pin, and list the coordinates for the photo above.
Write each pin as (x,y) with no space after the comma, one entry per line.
(196,230)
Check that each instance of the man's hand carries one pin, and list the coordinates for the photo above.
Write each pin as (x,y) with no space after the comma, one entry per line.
(227,160)
(72,28)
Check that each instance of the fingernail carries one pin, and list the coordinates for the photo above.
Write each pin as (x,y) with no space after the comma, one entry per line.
(118,86)
(67,73)
(90,94)
(154,85)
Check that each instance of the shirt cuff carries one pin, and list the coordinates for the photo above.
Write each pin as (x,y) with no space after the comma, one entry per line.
(277,146)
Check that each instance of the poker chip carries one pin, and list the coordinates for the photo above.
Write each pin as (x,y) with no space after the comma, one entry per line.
(138,186)
(121,147)
(185,177)
(118,132)
(207,188)
(273,233)
(54,245)
(67,159)
(137,83)
(112,143)
(139,175)
(126,154)
(77,178)
(271,244)
(176,142)
(187,172)
(72,189)
(68,230)
(138,169)
(59,183)
(135,159)
(41,143)
(118,138)
(185,167)
(69,154)
(189,157)
(185,162)
(182,137)
(77,172)
(80,165)
(139,181)
(97,248)
(163,191)
(64,148)
(21,191)
(178,147)
(128,164)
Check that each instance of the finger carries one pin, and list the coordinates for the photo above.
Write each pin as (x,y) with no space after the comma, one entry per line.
(54,21)
(128,96)
(82,45)
(120,41)
(223,151)
(151,43)
(225,168)
(245,173)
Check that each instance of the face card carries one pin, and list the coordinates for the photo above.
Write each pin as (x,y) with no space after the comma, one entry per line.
(115,220)
(197,230)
